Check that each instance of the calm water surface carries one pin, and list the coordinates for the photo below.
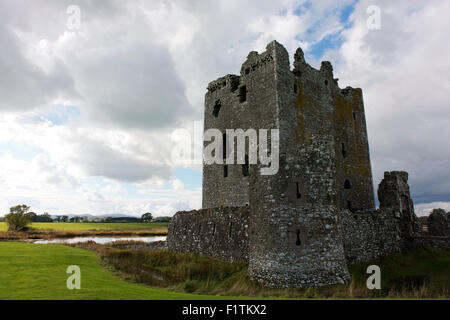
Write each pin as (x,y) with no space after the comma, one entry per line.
(101,240)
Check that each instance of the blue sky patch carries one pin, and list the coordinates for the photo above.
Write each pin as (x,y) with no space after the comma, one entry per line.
(61,115)
(22,151)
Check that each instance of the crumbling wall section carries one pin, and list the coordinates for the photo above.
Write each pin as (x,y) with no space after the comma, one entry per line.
(437,231)
(221,233)
(439,223)
(368,235)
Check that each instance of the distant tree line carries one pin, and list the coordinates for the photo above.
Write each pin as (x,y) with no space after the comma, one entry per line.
(21,214)
(34,217)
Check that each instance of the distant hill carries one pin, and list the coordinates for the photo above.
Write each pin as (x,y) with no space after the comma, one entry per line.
(95,217)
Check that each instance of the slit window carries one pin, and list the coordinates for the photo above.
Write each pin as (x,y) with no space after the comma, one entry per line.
(231,229)
(217,106)
(344,150)
(299,195)
(224,145)
(245,167)
(214,229)
(354,116)
(295,88)
(350,206)
(297,240)
(225,171)
(242,94)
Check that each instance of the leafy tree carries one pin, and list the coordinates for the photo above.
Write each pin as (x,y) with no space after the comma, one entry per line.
(147,217)
(31,215)
(43,218)
(17,218)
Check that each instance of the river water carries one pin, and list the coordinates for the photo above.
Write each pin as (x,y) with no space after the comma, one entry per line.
(102,240)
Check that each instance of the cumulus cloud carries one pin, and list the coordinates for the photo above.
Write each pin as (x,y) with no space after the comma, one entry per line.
(403,69)
(109,153)
(23,84)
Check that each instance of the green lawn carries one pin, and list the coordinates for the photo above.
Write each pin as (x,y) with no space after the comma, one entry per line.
(33,271)
(90,226)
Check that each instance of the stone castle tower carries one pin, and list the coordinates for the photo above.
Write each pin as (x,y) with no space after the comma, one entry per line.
(324,157)
(301,226)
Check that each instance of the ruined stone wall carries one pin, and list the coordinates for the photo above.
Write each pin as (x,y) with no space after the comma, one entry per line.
(393,193)
(437,234)
(438,223)
(392,228)
(370,234)
(220,233)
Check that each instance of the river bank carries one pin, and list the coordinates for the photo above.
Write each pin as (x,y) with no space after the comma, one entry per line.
(48,234)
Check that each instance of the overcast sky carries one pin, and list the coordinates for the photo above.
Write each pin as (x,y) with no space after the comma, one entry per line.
(87,114)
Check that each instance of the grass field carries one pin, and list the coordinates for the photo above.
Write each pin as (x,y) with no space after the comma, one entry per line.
(65,226)
(32,271)
(417,273)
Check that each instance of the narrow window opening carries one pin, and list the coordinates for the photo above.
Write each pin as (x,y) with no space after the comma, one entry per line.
(214,229)
(231,228)
(217,106)
(225,171)
(347,184)
(297,241)
(344,150)
(295,88)
(224,145)
(234,85)
(354,116)
(245,167)
(242,94)
(247,71)
(326,82)
(350,207)
(299,195)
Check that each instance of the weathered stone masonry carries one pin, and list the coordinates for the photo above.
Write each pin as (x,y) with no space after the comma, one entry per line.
(304,225)
(221,233)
